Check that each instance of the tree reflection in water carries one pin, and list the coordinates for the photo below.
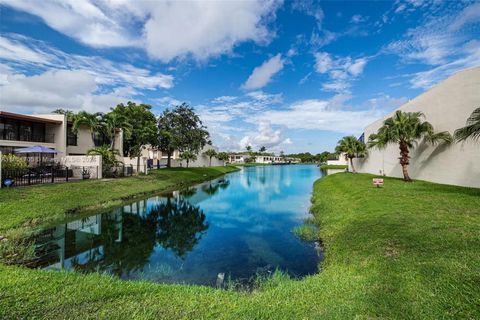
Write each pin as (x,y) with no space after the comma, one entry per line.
(125,246)
(180,225)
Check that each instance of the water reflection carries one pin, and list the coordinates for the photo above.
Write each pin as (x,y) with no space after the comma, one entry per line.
(122,242)
(179,225)
(238,225)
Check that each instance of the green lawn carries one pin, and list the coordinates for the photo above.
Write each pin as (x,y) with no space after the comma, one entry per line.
(27,207)
(333,166)
(407,250)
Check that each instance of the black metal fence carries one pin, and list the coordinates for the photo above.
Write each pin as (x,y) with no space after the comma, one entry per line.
(31,176)
(118,171)
(59,173)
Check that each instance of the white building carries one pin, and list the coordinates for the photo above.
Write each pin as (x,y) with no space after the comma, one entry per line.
(50,130)
(152,157)
(341,160)
(446,106)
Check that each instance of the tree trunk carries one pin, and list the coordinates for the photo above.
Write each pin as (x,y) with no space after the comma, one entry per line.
(210,161)
(187,162)
(138,162)
(351,163)
(404,160)
(169,159)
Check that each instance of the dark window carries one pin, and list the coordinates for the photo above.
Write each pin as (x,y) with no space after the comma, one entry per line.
(11,129)
(71,136)
(100,139)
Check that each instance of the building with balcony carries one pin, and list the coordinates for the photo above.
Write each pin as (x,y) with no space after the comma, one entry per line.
(51,131)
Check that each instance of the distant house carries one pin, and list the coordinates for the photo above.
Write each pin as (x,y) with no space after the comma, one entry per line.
(152,157)
(239,158)
(50,130)
(338,159)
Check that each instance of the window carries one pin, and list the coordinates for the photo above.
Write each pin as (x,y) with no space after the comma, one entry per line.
(11,129)
(71,136)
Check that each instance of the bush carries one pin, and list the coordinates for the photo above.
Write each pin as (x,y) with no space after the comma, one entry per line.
(12,162)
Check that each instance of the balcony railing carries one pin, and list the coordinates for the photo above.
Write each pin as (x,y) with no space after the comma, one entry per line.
(47,138)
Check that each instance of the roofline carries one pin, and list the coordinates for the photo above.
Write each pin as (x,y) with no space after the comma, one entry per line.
(17,116)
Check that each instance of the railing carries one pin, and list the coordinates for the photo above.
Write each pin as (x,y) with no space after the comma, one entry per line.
(39,175)
(47,138)
(118,171)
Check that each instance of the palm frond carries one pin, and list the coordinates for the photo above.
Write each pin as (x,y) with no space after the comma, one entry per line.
(472,128)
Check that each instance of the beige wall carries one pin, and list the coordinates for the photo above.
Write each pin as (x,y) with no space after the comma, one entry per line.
(342,160)
(446,106)
(85,142)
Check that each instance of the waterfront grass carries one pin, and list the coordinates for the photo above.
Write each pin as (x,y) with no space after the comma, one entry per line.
(40,205)
(333,166)
(407,250)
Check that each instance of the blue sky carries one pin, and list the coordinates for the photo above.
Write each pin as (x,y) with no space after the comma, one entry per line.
(293,76)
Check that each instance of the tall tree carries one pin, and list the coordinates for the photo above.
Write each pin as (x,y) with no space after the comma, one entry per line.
(471,129)
(223,156)
(188,156)
(210,153)
(181,129)
(143,128)
(114,121)
(166,126)
(405,128)
(352,147)
(92,120)
(263,149)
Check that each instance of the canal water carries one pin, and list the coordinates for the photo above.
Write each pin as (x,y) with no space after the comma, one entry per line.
(235,227)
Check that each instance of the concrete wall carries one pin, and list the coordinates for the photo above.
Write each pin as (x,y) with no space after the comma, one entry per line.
(85,142)
(446,106)
(202,160)
(342,160)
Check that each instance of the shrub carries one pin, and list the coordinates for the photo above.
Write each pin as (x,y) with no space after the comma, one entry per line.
(12,162)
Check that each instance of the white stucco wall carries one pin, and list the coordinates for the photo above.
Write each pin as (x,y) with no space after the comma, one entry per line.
(342,160)
(202,160)
(446,106)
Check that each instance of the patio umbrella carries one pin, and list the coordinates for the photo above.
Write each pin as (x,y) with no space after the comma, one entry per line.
(37,149)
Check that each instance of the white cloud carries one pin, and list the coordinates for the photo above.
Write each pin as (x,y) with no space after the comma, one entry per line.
(165,29)
(83,20)
(223,99)
(265,98)
(320,115)
(440,42)
(25,53)
(68,89)
(468,15)
(323,62)
(262,75)
(264,136)
(341,70)
(358,18)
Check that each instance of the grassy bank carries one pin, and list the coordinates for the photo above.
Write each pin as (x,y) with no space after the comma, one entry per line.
(333,166)
(407,250)
(27,207)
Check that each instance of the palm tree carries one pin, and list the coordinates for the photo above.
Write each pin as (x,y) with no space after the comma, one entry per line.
(92,120)
(405,128)
(472,128)
(210,153)
(109,157)
(112,122)
(352,148)
(188,156)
